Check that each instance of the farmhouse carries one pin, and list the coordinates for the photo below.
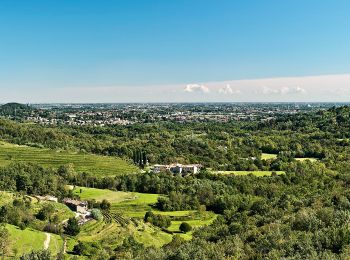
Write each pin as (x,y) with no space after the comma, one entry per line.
(76,205)
(177,168)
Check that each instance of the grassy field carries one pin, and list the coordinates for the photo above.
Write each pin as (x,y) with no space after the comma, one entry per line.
(242,173)
(152,236)
(138,206)
(94,164)
(196,223)
(131,204)
(268,156)
(119,197)
(100,194)
(24,241)
(306,159)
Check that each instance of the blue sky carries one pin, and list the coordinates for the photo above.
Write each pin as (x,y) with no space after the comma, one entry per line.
(142,50)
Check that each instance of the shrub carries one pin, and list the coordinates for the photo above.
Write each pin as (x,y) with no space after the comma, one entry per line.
(185,227)
(45,212)
(105,205)
(72,227)
(96,214)
(41,254)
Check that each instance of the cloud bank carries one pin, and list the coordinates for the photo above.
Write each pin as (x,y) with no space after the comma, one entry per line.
(323,88)
(282,90)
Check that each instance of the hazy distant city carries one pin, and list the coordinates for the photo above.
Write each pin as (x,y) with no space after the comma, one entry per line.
(125,114)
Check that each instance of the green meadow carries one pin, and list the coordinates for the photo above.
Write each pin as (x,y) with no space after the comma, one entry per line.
(195,223)
(268,156)
(306,159)
(89,163)
(116,197)
(131,204)
(100,194)
(24,241)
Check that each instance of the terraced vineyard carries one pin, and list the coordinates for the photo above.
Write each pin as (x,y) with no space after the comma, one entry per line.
(113,234)
(110,217)
(97,230)
(89,163)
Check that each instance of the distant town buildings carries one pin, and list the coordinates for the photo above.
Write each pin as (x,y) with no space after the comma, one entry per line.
(177,168)
(82,119)
(126,114)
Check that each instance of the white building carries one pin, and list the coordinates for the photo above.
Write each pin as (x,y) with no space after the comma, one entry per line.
(191,168)
(177,168)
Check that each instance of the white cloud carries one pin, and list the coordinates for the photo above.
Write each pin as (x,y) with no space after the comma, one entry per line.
(300,90)
(227,90)
(196,88)
(282,90)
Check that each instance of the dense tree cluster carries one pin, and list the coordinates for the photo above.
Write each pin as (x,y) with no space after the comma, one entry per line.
(157,219)
(32,179)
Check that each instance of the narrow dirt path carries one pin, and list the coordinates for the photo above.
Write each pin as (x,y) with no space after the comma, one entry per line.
(47,241)
(65,246)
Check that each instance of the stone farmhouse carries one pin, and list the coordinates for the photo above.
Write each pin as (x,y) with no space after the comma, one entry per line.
(76,205)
